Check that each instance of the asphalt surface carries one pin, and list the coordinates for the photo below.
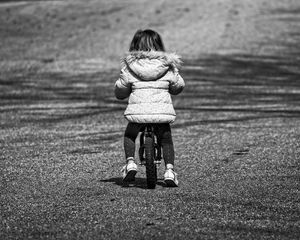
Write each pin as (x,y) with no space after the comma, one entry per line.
(237,154)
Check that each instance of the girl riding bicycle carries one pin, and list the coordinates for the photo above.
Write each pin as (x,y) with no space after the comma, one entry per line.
(149,76)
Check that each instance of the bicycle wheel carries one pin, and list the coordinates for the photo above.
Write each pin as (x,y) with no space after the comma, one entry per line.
(151,172)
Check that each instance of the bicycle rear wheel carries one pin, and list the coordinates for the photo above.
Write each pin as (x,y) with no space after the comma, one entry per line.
(151,171)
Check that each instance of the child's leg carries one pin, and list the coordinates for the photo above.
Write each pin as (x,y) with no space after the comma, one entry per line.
(165,138)
(130,135)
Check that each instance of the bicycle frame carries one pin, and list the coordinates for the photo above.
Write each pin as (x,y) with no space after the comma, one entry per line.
(148,131)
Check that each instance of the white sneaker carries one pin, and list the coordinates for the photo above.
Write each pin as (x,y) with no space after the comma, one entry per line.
(171,178)
(129,171)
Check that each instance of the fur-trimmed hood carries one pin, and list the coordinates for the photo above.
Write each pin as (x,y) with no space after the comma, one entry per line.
(151,65)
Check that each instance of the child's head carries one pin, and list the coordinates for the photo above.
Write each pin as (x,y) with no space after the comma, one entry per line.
(146,40)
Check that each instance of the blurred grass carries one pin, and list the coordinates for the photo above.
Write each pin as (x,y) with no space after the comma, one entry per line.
(66,31)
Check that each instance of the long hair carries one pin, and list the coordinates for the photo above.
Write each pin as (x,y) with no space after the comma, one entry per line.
(146,40)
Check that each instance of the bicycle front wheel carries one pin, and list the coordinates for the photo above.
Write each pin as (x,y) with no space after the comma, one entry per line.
(151,171)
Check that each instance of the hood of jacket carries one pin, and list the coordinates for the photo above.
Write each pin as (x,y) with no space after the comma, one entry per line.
(152,65)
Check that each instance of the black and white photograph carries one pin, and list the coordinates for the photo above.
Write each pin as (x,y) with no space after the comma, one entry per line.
(141,120)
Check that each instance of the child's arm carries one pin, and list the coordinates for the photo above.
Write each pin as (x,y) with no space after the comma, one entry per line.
(122,86)
(177,84)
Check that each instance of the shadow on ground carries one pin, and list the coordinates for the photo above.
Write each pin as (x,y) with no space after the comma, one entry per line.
(138,183)
(253,86)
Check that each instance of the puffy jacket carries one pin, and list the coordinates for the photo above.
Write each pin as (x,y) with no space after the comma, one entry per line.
(148,79)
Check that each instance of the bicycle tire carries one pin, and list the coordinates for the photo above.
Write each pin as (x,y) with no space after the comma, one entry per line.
(151,171)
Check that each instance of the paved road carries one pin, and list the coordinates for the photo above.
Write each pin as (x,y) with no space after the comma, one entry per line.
(237,149)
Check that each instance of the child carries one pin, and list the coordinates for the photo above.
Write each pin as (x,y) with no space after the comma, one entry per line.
(148,77)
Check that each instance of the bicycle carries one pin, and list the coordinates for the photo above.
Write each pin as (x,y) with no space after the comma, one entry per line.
(150,154)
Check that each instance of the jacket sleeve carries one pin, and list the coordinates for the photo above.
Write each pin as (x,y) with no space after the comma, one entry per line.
(176,84)
(122,86)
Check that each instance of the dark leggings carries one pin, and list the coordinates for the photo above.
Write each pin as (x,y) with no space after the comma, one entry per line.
(163,133)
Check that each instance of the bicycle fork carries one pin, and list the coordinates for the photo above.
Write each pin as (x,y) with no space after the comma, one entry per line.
(149,132)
